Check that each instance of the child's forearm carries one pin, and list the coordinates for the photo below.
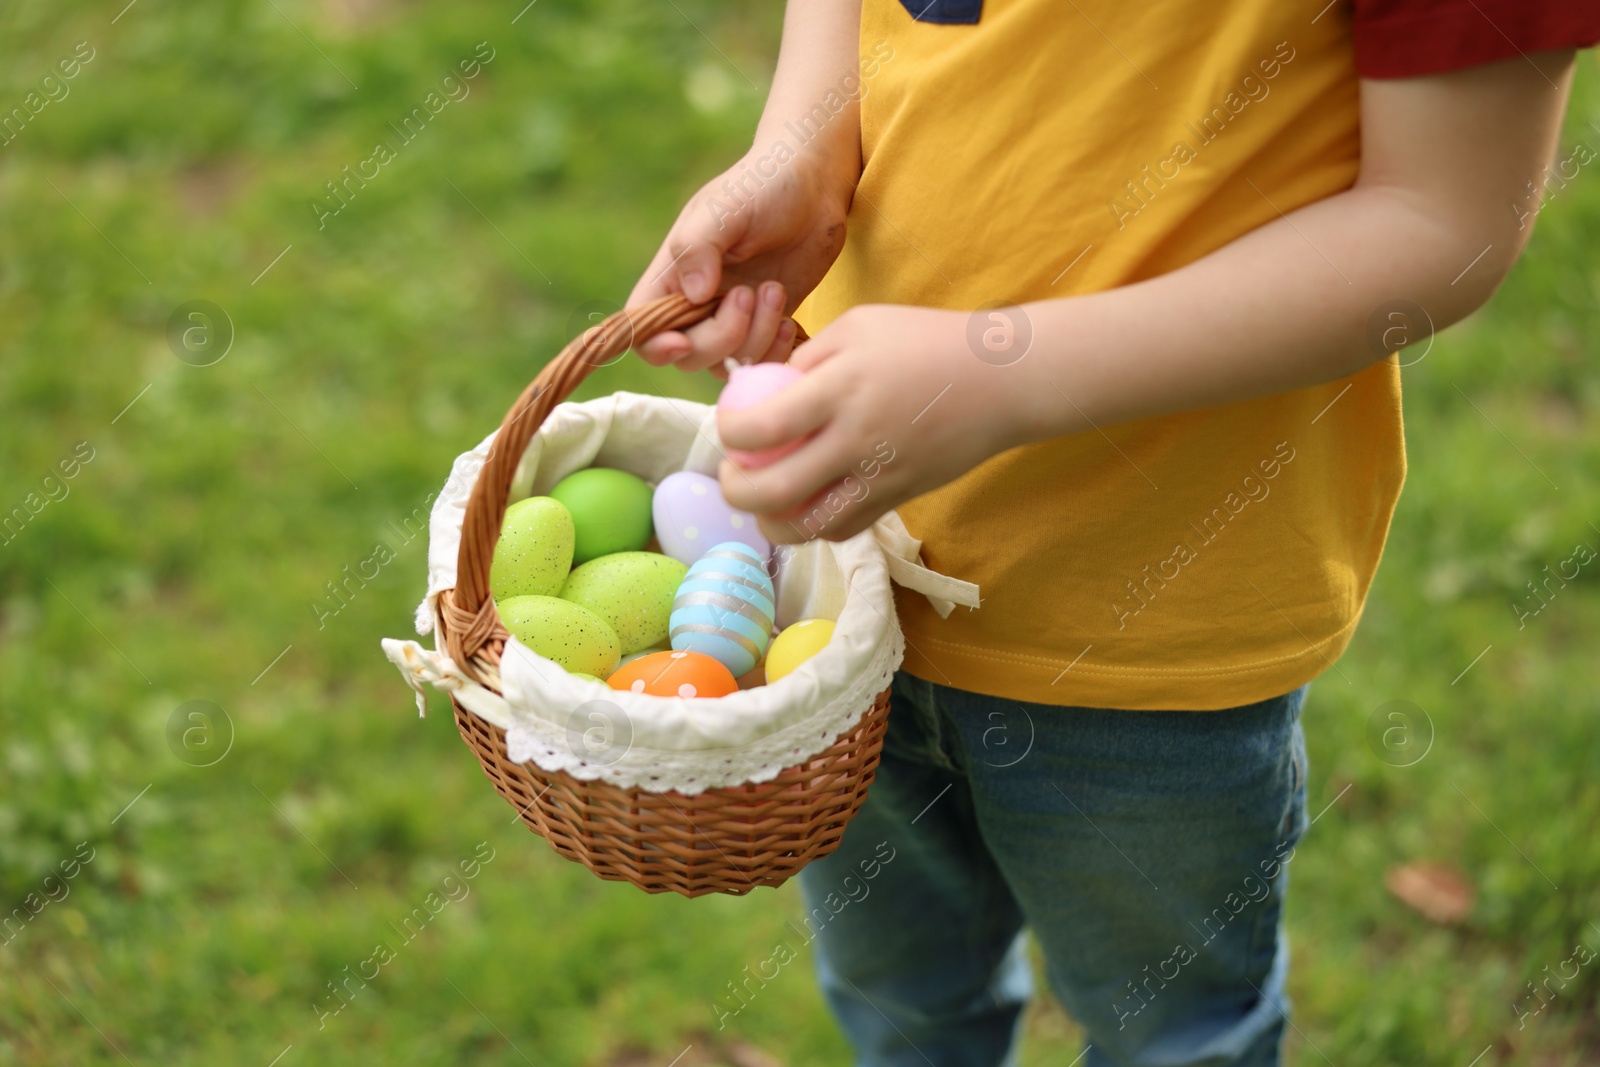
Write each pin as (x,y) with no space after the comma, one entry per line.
(1290,304)
(818,64)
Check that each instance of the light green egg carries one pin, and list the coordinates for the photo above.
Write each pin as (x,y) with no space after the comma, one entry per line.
(534,553)
(586,677)
(665,646)
(632,591)
(560,630)
(610,511)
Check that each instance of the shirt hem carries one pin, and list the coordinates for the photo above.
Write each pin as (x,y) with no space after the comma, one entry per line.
(1040,680)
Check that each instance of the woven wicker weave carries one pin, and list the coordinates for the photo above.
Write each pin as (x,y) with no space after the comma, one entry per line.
(718,841)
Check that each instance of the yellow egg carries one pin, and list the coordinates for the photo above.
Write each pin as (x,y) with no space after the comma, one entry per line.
(795,645)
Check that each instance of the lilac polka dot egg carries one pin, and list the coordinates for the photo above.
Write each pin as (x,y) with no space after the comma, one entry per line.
(691,518)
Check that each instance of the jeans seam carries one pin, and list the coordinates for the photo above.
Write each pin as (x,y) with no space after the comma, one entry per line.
(1288,837)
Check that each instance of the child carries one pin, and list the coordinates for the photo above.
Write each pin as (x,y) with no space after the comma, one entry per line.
(1120,284)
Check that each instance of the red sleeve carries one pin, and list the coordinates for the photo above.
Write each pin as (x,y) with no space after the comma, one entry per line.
(1409,38)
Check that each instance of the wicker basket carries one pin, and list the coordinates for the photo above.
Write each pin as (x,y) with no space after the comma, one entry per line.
(728,840)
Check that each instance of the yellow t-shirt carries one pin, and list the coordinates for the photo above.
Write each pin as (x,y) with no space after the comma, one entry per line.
(1201,560)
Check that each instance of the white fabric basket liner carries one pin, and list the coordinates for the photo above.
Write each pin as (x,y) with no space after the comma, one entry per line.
(669,743)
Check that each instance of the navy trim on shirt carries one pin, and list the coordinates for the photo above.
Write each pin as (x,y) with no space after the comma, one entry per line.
(944,12)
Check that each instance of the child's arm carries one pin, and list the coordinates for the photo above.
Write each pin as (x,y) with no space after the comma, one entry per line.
(777,217)
(1444,160)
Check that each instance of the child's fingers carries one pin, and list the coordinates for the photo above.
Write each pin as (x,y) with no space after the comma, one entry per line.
(764,324)
(811,354)
(695,270)
(781,345)
(664,349)
(779,488)
(683,264)
(720,336)
(791,414)
(776,352)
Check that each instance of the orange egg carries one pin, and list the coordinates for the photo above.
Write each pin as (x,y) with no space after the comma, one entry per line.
(674,674)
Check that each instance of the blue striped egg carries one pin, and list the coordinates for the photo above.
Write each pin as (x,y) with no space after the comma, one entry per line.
(724,607)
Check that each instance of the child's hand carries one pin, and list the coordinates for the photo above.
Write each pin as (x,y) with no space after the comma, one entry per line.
(781,230)
(898,404)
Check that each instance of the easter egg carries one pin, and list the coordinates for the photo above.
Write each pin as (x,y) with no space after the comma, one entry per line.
(724,607)
(631,591)
(560,630)
(585,677)
(629,657)
(795,645)
(610,511)
(534,552)
(748,385)
(674,674)
(691,517)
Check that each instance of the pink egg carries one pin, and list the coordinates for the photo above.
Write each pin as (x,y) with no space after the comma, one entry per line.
(748,385)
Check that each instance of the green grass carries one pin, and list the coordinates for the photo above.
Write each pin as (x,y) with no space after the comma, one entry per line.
(188,553)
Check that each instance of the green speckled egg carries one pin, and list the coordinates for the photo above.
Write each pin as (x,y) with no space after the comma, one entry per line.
(568,633)
(610,510)
(632,591)
(534,552)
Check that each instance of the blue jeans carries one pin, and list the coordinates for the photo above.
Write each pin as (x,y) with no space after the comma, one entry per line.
(1147,851)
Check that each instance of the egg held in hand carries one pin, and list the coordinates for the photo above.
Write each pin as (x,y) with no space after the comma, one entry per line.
(610,511)
(749,385)
(559,630)
(674,674)
(631,591)
(795,645)
(691,516)
(724,607)
(534,552)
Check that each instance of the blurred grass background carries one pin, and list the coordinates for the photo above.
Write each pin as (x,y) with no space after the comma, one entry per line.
(185,559)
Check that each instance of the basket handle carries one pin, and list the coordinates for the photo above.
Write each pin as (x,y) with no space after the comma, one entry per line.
(474,636)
